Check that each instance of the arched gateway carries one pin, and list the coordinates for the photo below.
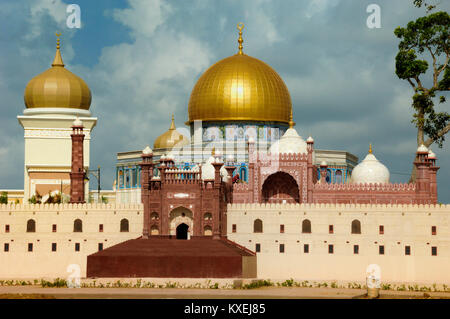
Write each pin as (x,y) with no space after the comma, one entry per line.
(181,223)
(280,187)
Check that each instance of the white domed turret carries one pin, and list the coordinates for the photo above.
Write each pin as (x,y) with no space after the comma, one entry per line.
(290,142)
(208,171)
(370,170)
(422,149)
(77,122)
(431,154)
(147,151)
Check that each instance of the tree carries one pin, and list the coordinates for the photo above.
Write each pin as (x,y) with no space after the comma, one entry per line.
(427,37)
(35,199)
(4,198)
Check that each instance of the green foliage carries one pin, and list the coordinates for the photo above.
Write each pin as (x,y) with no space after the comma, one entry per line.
(4,198)
(56,283)
(35,199)
(288,283)
(258,284)
(424,43)
(104,200)
(428,6)
(53,199)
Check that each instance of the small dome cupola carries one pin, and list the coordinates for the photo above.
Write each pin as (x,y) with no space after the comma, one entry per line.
(370,170)
(170,139)
(290,142)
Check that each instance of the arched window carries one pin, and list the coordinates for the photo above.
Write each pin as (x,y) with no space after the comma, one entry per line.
(306,226)
(207,231)
(338,177)
(243,174)
(356,227)
(328,178)
(77,226)
(154,216)
(124,226)
(258,226)
(31,226)
(207,216)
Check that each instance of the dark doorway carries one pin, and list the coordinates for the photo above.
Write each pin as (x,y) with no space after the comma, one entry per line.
(182,231)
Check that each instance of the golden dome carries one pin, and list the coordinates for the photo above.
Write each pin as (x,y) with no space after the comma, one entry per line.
(170,139)
(57,87)
(240,87)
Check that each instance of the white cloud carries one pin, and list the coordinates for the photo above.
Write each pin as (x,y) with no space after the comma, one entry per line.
(56,9)
(317,6)
(143,16)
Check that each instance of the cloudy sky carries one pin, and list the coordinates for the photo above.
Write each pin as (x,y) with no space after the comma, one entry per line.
(141,59)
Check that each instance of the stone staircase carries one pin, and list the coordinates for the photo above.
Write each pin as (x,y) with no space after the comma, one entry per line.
(199,257)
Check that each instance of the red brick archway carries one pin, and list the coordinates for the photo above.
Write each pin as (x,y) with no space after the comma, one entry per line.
(280,187)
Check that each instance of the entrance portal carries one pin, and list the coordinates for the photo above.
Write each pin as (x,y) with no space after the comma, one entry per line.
(182,231)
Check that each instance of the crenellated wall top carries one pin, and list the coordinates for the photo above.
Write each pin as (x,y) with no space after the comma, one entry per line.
(338,207)
(70,207)
(366,187)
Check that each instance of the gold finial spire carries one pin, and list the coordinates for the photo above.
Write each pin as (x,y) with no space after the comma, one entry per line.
(172,125)
(291,120)
(57,61)
(370,148)
(213,151)
(240,27)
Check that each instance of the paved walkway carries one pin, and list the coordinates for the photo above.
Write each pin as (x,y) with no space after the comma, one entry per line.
(179,293)
(138,293)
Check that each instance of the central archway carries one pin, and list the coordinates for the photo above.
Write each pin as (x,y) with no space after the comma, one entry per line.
(280,187)
(182,231)
(179,216)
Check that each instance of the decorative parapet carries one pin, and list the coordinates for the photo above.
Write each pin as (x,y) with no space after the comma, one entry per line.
(340,207)
(69,207)
(366,187)
(267,158)
(240,187)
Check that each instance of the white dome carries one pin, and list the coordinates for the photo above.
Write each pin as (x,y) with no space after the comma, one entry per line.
(370,170)
(208,171)
(310,139)
(147,150)
(422,149)
(290,142)
(77,122)
(431,154)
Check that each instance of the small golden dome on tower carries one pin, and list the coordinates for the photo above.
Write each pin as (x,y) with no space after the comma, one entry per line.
(170,139)
(57,87)
(240,87)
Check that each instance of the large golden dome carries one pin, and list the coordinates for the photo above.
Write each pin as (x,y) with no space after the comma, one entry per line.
(170,139)
(57,87)
(240,87)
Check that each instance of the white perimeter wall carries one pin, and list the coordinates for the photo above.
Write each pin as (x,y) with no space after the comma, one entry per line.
(403,225)
(42,262)
(408,225)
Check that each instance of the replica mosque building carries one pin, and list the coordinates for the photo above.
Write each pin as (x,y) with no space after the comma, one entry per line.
(245,196)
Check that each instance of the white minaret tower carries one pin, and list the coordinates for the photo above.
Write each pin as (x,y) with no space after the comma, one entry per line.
(53,100)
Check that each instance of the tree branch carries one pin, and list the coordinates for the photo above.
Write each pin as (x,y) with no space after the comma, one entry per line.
(441,133)
(435,70)
(412,84)
(444,65)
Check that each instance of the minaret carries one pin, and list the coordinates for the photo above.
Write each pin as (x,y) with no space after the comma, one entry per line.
(53,99)
(77,173)
(146,176)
